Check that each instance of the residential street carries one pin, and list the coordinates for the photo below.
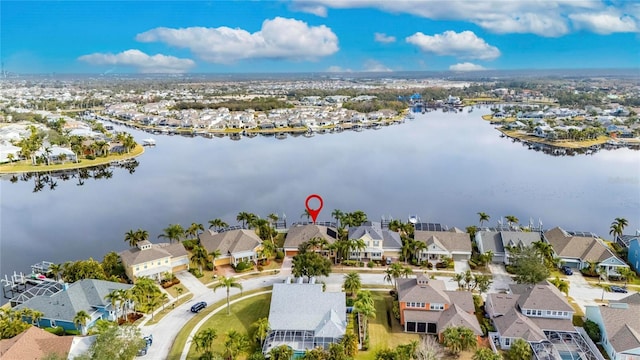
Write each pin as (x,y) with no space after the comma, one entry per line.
(166,330)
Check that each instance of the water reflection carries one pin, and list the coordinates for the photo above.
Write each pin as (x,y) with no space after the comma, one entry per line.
(49,180)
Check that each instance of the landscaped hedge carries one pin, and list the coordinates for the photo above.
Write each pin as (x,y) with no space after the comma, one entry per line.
(243,266)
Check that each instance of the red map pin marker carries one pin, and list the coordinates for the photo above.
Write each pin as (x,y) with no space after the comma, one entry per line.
(313,212)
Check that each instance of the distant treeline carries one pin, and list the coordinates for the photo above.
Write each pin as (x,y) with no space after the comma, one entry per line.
(374,105)
(428,94)
(257,104)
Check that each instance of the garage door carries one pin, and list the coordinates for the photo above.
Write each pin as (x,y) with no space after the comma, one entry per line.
(411,326)
(460,257)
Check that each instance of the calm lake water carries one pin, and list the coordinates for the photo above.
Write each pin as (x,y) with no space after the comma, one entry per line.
(443,167)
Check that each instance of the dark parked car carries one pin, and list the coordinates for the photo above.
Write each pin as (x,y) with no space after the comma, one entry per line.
(145,349)
(198,306)
(619,289)
(566,270)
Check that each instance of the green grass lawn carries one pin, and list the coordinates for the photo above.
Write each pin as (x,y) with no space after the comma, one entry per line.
(243,314)
(26,166)
(381,335)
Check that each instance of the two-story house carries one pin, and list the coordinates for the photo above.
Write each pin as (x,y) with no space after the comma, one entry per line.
(379,243)
(426,306)
(153,260)
(499,243)
(633,254)
(619,324)
(539,314)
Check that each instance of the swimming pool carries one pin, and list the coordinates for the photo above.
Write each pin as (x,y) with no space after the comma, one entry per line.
(567,355)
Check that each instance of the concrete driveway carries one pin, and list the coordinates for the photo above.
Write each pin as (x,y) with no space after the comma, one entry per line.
(501,278)
(460,266)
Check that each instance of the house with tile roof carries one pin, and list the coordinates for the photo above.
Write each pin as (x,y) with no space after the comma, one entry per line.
(499,242)
(323,320)
(426,307)
(87,295)
(619,324)
(539,314)
(298,234)
(453,243)
(35,343)
(240,245)
(380,243)
(578,251)
(153,260)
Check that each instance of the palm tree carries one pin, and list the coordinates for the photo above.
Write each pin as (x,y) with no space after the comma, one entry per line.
(131,238)
(214,255)
(511,220)
(562,285)
(627,274)
(458,339)
(179,290)
(193,230)
(306,214)
(520,350)
(236,344)
(204,340)
(337,214)
(199,256)
(218,224)
(56,270)
(350,343)
(546,250)
(357,245)
(172,232)
(282,352)
(114,297)
(81,320)
(142,235)
(262,328)
(273,219)
(244,217)
(485,354)
(228,282)
(352,283)
(617,227)
(483,217)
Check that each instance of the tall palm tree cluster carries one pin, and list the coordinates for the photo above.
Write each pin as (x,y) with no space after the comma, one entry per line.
(13,322)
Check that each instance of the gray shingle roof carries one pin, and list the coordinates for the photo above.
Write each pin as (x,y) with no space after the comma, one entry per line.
(135,256)
(451,241)
(390,239)
(456,316)
(521,238)
(303,233)
(543,296)
(307,307)
(580,247)
(230,242)
(432,292)
(82,295)
(622,326)
(490,241)
(514,324)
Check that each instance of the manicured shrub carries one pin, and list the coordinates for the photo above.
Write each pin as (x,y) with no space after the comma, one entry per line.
(593,330)
(279,255)
(371,264)
(243,266)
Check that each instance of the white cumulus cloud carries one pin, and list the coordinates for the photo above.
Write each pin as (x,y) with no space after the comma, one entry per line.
(604,22)
(279,38)
(464,44)
(375,66)
(384,38)
(337,69)
(142,62)
(549,18)
(466,66)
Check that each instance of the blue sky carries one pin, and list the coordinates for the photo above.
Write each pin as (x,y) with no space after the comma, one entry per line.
(317,35)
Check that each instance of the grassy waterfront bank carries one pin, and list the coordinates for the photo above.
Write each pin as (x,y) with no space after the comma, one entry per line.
(567,144)
(26,166)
